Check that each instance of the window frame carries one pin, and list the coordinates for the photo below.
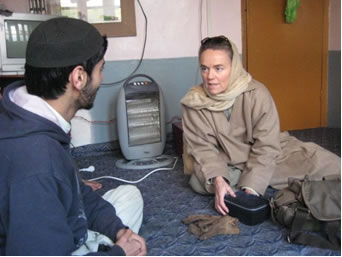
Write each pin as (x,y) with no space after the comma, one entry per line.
(125,28)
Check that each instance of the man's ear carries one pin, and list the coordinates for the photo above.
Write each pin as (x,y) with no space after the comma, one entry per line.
(78,77)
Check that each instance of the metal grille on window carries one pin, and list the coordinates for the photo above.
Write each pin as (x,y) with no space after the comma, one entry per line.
(37,6)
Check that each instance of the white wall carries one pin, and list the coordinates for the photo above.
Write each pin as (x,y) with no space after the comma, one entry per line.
(15,5)
(335,25)
(175,28)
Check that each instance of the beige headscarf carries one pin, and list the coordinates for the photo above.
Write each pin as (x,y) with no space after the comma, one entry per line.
(198,97)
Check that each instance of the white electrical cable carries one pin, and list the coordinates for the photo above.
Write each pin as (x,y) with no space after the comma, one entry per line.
(139,180)
(91,168)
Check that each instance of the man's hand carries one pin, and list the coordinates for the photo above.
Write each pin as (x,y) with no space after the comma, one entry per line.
(93,184)
(131,243)
(221,189)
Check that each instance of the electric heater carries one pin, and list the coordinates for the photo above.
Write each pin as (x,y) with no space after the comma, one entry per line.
(141,125)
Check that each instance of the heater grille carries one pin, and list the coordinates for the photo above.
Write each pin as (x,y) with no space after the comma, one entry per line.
(143,120)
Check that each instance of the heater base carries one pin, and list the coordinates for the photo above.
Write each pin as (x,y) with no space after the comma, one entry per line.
(147,163)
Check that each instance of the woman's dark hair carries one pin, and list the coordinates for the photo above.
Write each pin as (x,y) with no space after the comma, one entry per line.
(50,83)
(216,43)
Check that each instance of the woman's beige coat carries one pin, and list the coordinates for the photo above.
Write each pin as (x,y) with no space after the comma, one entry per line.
(250,140)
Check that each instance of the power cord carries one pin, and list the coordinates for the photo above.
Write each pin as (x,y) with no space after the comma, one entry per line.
(110,84)
(139,180)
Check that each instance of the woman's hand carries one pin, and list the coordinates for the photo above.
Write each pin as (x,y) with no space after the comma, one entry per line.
(221,189)
(131,243)
(250,192)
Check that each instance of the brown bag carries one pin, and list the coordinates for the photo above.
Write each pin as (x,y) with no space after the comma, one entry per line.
(311,210)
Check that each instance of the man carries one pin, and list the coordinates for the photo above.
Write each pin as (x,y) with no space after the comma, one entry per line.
(45,209)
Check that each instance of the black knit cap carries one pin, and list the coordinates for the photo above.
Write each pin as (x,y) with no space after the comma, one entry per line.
(62,42)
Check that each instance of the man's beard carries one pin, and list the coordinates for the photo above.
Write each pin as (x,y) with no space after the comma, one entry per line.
(87,98)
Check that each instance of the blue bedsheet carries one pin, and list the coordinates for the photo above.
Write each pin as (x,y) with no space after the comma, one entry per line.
(168,199)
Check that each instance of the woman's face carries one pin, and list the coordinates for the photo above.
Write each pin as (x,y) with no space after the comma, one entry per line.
(215,69)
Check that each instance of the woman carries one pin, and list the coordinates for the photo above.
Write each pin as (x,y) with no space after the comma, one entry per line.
(232,138)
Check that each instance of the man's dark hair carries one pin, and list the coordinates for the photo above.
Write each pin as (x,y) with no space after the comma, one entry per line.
(50,83)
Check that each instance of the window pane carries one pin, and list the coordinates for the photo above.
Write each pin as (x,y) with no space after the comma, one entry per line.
(93,11)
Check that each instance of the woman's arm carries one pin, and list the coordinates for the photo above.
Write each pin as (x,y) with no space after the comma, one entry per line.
(200,137)
(265,148)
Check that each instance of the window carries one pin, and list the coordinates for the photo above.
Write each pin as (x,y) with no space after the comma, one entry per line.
(114,18)
(94,11)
